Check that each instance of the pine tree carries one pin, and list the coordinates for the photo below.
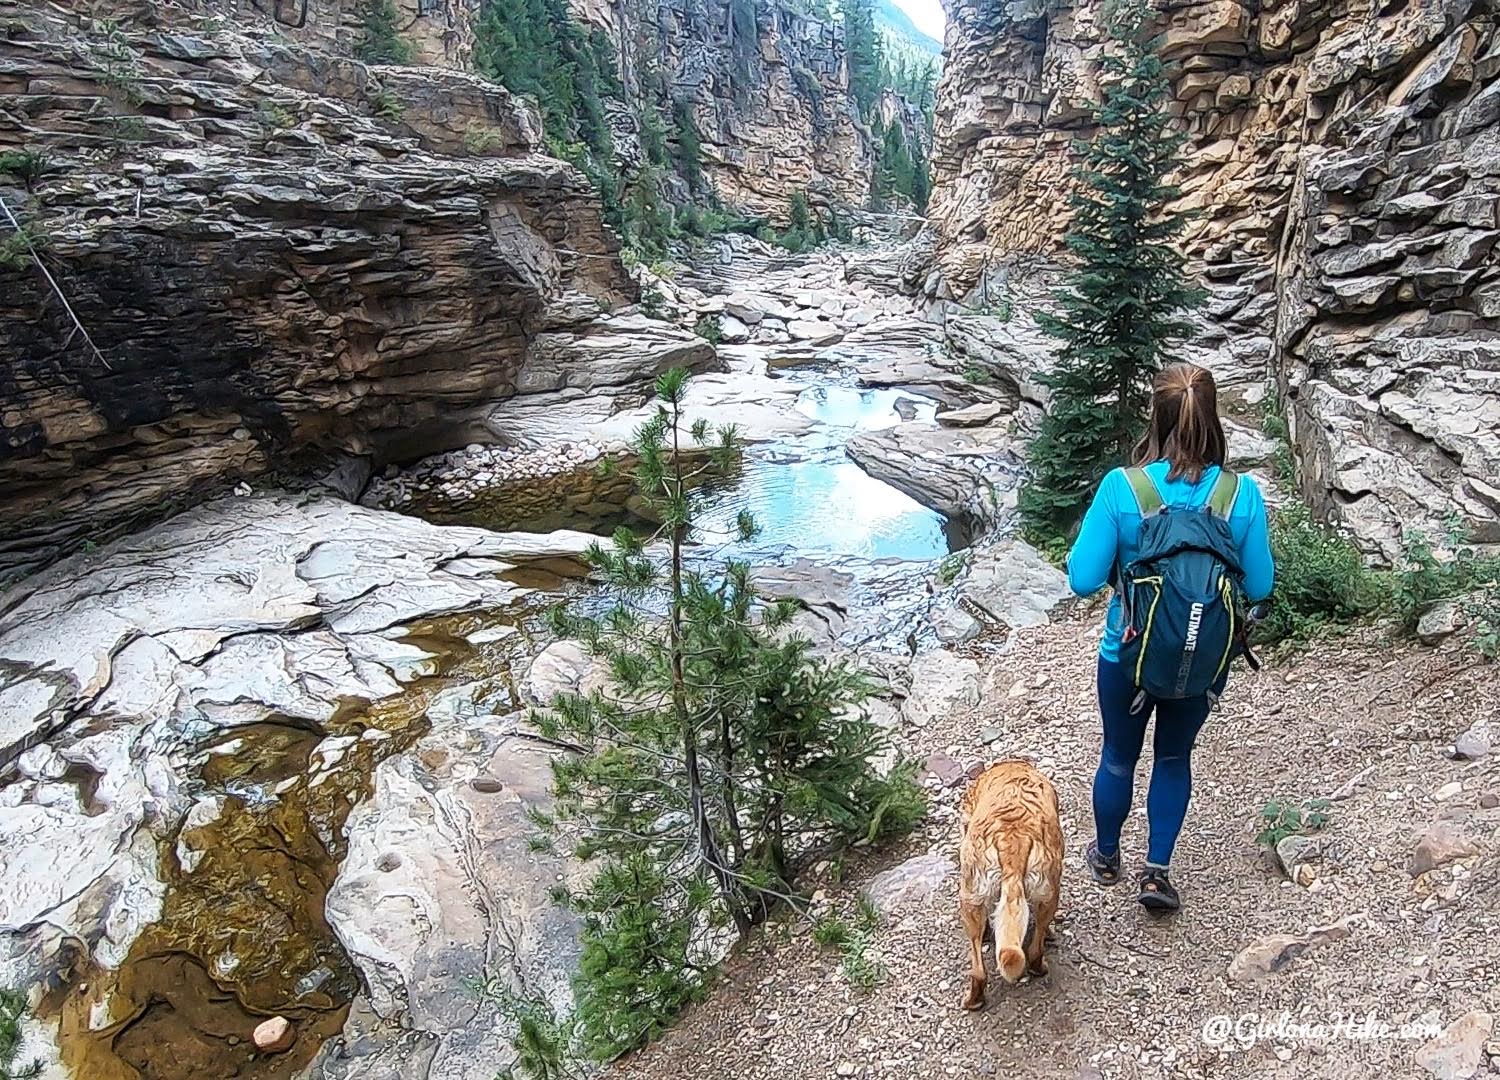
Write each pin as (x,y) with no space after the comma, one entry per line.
(12,1010)
(1121,307)
(382,42)
(722,758)
(921,183)
(537,49)
(863,52)
(689,145)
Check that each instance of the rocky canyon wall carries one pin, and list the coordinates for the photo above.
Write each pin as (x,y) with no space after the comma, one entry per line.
(1344,159)
(439,32)
(258,248)
(770,101)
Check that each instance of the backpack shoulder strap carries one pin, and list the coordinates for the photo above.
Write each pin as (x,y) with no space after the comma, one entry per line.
(1226,491)
(1147,498)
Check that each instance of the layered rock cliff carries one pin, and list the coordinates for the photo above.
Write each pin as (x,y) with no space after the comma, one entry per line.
(255,250)
(1345,161)
(767,88)
(440,33)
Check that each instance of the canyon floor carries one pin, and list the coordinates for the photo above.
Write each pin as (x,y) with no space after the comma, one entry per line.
(271,756)
(1368,724)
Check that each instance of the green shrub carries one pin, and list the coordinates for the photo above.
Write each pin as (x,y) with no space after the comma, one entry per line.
(831,932)
(385,104)
(804,229)
(861,965)
(652,301)
(17,245)
(481,140)
(689,146)
(128,129)
(119,66)
(541,1039)
(12,1010)
(953,565)
(709,328)
(1274,424)
(275,116)
(1484,616)
(858,960)
(27,166)
(1424,576)
(1321,579)
(1281,818)
(1000,307)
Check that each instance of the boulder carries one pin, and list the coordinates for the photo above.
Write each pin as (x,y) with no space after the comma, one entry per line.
(1439,622)
(1440,843)
(824,593)
(976,415)
(941,684)
(1474,743)
(440,886)
(1302,857)
(1270,954)
(732,331)
(1012,583)
(814,333)
(966,473)
(746,308)
(1458,1053)
(953,625)
(911,882)
(942,770)
(563,667)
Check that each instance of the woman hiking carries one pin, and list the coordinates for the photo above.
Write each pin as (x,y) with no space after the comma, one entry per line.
(1184,542)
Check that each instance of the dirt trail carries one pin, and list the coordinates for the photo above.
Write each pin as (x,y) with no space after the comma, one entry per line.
(1129,994)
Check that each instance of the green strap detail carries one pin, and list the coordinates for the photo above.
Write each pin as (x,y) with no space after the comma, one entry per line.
(1147,498)
(1226,491)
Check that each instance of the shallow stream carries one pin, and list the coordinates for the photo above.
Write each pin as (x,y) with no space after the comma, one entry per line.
(810,500)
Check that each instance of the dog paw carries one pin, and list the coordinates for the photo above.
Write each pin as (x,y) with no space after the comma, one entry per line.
(974,999)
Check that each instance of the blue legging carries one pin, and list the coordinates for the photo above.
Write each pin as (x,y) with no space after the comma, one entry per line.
(1177,726)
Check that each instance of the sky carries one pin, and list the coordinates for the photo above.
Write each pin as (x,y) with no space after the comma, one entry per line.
(927,14)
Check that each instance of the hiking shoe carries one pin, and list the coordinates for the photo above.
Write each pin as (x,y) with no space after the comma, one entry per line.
(1157,893)
(1104,868)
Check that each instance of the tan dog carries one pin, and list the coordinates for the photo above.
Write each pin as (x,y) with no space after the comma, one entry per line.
(1010,862)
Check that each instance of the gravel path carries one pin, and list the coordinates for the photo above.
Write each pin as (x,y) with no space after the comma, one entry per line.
(1129,995)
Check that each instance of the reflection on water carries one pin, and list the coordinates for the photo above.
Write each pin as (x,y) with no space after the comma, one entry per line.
(824,505)
(847,409)
(807,495)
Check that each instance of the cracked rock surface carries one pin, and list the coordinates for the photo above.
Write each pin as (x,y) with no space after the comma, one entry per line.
(155,694)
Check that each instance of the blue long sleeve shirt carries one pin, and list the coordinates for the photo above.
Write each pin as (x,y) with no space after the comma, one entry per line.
(1111,532)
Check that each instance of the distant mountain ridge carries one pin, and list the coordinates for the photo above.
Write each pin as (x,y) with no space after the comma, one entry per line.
(898,24)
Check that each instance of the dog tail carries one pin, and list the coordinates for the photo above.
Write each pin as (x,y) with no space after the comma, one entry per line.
(1013,913)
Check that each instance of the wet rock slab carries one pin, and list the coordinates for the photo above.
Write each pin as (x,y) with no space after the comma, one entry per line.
(123,665)
(446,909)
